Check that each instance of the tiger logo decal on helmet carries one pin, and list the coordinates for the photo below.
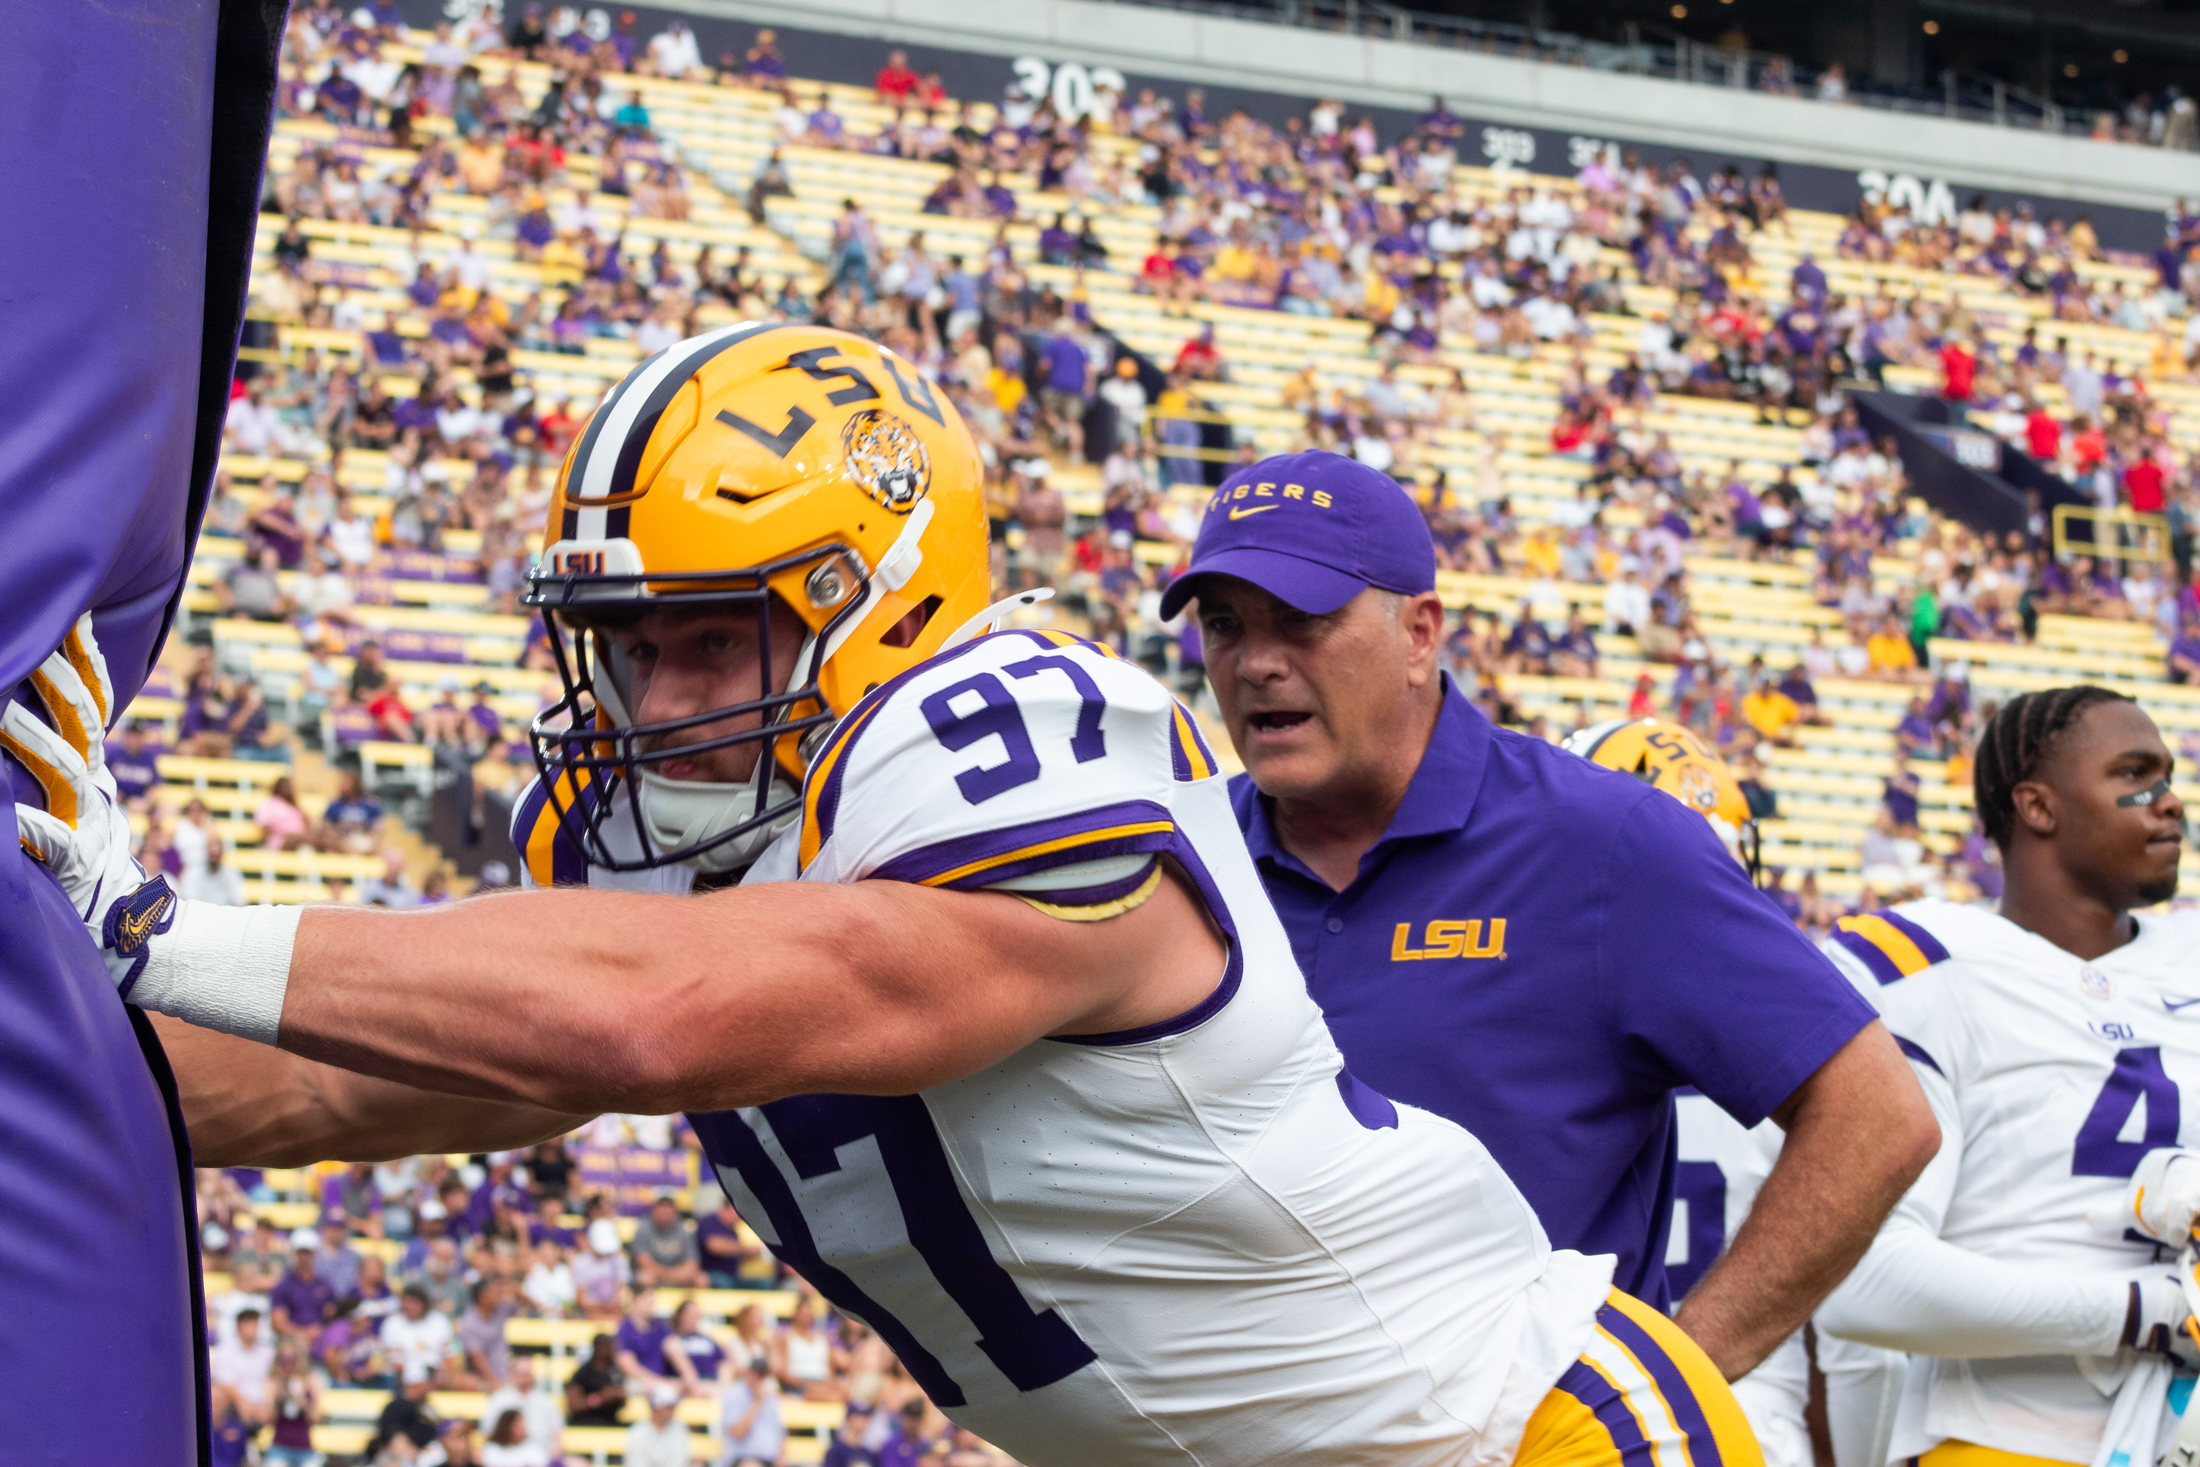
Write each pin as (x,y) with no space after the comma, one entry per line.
(888,459)
(783,470)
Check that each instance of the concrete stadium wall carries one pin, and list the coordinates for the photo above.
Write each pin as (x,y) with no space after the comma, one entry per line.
(1534,117)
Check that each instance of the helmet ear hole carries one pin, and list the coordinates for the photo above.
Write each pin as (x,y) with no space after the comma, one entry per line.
(904,633)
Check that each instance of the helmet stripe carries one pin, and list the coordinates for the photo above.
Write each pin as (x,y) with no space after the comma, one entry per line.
(611,450)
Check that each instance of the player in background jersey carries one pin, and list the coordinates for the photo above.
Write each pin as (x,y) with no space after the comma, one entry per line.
(998,1041)
(2056,1042)
(1722,1164)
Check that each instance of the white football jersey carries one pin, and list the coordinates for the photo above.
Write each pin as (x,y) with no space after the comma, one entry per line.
(1203,1241)
(1722,1164)
(2053,1075)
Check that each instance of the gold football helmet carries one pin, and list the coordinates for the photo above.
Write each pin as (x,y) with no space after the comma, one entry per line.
(1671,757)
(794,469)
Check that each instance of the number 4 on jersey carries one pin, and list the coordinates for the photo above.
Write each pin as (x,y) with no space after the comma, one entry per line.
(2137,1080)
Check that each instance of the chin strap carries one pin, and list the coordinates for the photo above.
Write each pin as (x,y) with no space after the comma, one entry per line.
(990,619)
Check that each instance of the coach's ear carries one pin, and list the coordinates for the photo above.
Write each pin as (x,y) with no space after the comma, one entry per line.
(2036,807)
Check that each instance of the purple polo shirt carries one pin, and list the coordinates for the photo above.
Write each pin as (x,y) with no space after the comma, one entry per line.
(306,1301)
(1635,959)
(647,1345)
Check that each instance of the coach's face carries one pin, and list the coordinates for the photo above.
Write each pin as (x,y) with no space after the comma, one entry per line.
(1318,706)
(2127,854)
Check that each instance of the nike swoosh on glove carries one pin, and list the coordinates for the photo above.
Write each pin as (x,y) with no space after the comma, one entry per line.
(83,835)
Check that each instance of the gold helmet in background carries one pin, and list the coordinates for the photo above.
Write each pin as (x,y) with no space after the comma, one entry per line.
(1671,757)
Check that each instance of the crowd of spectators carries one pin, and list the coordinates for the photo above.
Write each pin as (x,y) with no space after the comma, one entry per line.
(415,1267)
(1321,216)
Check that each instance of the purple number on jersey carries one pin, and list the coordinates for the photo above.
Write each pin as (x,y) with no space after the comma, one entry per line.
(998,718)
(2138,1079)
(1702,1186)
(1032,1349)
(1088,743)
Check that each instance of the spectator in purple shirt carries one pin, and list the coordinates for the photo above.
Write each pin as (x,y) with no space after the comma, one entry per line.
(544,1226)
(908,1446)
(132,761)
(1915,734)
(848,1449)
(641,1340)
(1949,701)
(1900,793)
(301,1301)
(1807,283)
(1068,384)
(2184,654)
(498,1189)
(718,1237)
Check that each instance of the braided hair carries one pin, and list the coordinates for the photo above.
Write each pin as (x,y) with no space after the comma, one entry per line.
(2017,741)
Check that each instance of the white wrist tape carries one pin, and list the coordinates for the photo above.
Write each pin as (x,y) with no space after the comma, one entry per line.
(223,968)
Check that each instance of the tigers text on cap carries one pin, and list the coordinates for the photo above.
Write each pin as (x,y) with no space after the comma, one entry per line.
(1313,530)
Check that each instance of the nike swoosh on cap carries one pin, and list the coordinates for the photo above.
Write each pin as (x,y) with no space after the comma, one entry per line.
(1242,511)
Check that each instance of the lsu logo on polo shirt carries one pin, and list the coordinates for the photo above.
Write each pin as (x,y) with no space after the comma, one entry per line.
(1448,940)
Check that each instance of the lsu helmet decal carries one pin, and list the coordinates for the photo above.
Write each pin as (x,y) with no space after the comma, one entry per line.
(1671,757)
(781,469)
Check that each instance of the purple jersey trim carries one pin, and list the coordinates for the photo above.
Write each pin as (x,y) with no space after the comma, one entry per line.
(1679,1396)
(927,863)
(1374,1112)
(1917,1052)
(1882,966)
(1926,942)
(568,865)
(1232,974)
(1182,723)
(1611,1411)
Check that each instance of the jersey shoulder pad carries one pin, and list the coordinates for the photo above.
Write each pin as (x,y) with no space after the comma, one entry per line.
(1894,943)
(1012,755)
(548,854)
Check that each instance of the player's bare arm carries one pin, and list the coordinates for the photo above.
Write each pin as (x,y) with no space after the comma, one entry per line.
(249,1106)
(1859,1132)
(629,1002)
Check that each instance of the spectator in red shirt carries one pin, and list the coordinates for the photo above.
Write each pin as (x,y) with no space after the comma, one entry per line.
(897,81)
(2042,435)
(1199,359)
(2143,484)
(1958,370)
(2088,446)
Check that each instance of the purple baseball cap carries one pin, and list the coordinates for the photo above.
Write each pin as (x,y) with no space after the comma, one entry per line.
(1313,530)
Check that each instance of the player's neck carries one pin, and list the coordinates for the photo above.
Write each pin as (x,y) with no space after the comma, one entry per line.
(2039,897)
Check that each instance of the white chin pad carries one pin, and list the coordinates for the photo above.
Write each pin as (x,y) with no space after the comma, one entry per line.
(680,812)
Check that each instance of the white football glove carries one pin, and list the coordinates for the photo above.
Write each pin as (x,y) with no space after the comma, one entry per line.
(2160,1321)
(2161,1199)
(82,835)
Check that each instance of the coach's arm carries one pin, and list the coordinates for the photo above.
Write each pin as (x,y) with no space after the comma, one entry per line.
(247,1105)
(1859,1132)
